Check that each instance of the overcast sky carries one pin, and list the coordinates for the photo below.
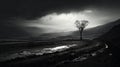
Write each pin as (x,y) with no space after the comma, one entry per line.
(35,17)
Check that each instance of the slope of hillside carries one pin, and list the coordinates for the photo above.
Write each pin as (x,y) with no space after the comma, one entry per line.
(90,33)
(113,35)
(112,38)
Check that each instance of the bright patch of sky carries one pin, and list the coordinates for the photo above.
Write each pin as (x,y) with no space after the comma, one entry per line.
(64,22)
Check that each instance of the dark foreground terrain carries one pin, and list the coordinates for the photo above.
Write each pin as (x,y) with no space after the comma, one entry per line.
(65,53)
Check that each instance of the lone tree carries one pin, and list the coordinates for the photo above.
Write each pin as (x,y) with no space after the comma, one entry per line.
(81,26)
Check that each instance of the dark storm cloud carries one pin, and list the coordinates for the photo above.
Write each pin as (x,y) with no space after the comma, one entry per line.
(31,9)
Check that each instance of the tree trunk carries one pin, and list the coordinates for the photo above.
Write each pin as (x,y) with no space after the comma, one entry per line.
(81,31)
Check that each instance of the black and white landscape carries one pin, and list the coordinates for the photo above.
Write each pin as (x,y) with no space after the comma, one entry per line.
(43,33)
